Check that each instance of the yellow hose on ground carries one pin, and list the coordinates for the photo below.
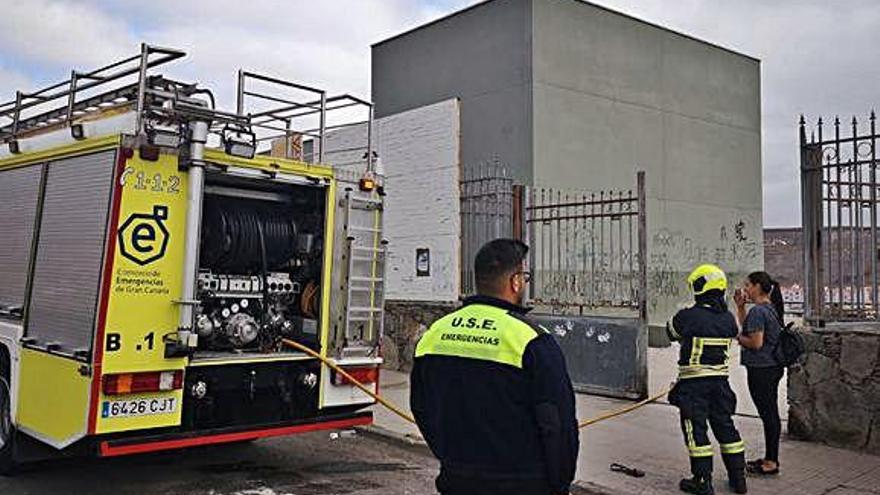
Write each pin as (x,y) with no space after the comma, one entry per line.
(624,410)
(396,410)
(330,364)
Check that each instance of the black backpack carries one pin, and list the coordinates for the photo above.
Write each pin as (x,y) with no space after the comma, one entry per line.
(791,347)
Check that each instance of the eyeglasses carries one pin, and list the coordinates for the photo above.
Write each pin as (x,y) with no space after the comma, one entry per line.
(527,276)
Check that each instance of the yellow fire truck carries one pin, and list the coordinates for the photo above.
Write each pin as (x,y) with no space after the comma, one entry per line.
(154,259)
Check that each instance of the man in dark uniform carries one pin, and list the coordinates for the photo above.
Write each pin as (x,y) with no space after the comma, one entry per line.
(702,393)
(490,390)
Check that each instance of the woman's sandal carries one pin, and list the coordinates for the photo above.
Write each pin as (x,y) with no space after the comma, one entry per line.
(759,469)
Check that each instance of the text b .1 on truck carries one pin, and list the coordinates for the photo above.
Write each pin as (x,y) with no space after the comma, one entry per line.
(153,259)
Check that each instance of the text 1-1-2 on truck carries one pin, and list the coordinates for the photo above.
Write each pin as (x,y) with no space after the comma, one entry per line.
(155,251)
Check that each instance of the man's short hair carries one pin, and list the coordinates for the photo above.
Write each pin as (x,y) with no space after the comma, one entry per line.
(496,261)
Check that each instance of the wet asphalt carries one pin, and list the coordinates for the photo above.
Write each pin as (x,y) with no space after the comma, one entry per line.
(310,464)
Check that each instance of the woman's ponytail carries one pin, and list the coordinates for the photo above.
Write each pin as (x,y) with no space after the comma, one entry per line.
(778,302)
(772,289)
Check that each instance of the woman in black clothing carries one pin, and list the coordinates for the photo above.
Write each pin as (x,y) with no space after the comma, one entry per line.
(759,337)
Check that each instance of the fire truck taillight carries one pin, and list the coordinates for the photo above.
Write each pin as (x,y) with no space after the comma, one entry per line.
(365,376)
(133,383)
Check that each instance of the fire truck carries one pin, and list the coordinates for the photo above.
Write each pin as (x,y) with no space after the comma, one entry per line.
(156,252)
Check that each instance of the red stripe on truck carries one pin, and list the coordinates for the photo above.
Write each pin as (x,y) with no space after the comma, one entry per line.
(107,449)
(122,156)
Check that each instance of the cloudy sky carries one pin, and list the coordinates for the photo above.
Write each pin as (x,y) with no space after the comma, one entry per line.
(818,57)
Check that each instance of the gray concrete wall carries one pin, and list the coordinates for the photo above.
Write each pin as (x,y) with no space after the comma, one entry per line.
(572,95)
(613,95)
(481,56)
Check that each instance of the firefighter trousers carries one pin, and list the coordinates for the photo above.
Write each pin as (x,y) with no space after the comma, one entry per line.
(704,402)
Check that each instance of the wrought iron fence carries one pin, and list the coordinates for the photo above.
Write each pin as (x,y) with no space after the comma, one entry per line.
(487,210)
(839,203)
(587,248)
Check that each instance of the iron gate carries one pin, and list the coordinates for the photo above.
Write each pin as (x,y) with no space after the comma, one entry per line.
(588,263)
(839,204)
(588,249)
(487,212)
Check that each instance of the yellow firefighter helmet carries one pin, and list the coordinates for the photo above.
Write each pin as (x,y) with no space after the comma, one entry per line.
(705,278)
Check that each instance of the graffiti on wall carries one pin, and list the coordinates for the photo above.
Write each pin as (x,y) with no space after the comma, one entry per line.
(674,253)
(578,263)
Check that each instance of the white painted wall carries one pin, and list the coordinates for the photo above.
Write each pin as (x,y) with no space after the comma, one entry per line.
(419,155)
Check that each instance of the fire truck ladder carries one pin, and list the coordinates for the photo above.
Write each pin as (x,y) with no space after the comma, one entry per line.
(365,295)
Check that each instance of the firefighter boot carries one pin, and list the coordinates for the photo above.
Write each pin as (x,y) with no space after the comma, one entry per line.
(736,472)
(697,485)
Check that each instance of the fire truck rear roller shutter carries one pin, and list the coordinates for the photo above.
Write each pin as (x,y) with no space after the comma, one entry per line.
(19,188)
(70,250)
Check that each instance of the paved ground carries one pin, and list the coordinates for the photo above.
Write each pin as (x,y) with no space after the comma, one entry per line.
(650,440)
(311,464)
(663,370)
(314,464)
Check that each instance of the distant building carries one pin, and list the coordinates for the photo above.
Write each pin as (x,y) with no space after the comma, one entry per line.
(783,255)
(784,261)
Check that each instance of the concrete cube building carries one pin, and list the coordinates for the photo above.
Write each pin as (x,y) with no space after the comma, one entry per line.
(569,94)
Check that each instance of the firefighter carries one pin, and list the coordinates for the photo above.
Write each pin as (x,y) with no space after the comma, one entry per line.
(490,391)
(702,393)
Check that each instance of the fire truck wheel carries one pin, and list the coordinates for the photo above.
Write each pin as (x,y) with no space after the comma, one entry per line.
(7,462)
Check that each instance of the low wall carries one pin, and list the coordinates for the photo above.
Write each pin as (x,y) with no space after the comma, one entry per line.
(834,397)
(605,355)
(405,322)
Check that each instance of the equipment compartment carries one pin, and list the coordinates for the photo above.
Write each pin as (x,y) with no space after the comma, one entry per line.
(260,265)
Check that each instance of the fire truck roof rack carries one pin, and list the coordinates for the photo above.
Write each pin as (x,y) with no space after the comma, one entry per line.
(16,112)
(281,120)
(159,101)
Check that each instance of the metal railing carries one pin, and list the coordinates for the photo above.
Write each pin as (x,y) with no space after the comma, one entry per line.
(487,193)
(305,111)
(58,103)
(839,201)
(267,108)
(587,248)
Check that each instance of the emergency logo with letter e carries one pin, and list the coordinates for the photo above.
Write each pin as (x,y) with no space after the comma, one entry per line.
(143,237)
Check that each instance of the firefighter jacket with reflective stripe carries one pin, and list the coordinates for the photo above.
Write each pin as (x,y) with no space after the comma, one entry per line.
(705,334)
(492,397)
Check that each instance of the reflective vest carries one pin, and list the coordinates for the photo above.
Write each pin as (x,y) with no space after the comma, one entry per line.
(697,366)
(705,335)
(478,331)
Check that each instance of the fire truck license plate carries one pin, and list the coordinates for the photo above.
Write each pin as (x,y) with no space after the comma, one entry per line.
(138,407)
